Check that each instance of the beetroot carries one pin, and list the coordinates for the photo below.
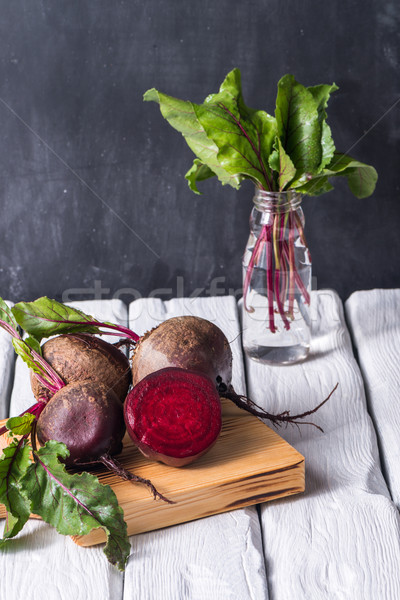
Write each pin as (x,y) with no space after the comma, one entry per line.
(187,342)
(80,357)
(193,343)
(173,415)
(88,418)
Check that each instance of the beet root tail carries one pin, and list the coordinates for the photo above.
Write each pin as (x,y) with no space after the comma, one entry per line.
(247,404)
(125,342)
(113,465)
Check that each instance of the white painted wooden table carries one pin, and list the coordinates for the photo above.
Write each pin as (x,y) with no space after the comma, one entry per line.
(338,540)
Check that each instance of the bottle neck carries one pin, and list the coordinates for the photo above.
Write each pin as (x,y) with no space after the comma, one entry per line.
(277,202)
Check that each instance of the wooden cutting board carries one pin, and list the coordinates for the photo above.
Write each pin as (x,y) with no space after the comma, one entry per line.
(250,463)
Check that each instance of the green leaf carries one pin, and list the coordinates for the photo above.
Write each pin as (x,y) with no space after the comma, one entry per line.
(45,317)
(234,142)
(299,126)
(230,139)
(321,94)
(361,178)
(14,463)
(280,162)
(21,425)
(198,172)
(34,344)
(75,504)
(244,136)
(181,115)
(314,187)
(7,316)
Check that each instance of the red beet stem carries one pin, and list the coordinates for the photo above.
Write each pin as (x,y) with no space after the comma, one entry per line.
(48,377)
(270,286)
(250,268)
(292,267)
(298,279)
(282,277)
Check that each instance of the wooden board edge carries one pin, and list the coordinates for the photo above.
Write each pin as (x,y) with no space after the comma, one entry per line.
(190,507)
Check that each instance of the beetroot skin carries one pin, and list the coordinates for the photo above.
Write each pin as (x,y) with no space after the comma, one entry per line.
(173,415)
(80,357)
(196,344)
(87,417)
(185,342)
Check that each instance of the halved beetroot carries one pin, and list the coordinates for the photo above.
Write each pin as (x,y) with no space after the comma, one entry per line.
(173,415)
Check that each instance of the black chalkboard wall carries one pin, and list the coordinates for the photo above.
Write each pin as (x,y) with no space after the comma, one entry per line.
(92,190)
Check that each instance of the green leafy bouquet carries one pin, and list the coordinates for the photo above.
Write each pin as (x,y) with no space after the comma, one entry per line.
(292,150)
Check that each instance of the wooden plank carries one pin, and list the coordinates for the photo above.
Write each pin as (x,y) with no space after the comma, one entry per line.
(331,541)
(373,317)
(39,559)
(249,464)
(214,557)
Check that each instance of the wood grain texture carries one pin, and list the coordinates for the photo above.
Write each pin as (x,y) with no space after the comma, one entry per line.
(219,557)
(341,539)
(40,561)
(215,557)
(249,464)
(373,318)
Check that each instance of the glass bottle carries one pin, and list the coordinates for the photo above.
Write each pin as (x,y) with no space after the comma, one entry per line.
(276,320)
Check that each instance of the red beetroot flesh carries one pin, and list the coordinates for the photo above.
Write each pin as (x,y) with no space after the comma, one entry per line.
(173,415)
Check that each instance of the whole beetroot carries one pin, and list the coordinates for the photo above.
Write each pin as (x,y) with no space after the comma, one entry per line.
(196,344)
(87,417)
(185,342)
(80,357)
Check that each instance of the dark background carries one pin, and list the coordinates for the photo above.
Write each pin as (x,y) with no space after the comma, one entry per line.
(92,190)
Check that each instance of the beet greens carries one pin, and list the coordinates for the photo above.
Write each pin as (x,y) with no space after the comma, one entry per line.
(34,480)
(45,317)
(29,351)
(73,503)
(292,150)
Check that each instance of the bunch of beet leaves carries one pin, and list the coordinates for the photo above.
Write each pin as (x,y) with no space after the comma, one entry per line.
(292,149)
(188,358)
(84,411)
(36,480)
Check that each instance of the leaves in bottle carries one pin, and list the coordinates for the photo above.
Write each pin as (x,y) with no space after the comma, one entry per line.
(299,128)
(293,150)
